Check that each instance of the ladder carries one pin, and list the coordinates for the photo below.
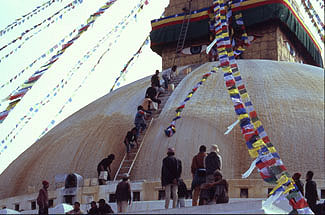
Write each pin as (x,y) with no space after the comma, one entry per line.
(182,35)
(129,160)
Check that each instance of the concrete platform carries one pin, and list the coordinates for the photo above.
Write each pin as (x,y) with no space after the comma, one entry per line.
(235,206)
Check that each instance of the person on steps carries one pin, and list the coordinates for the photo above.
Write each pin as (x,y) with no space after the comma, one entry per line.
(105,166)
(130,139)
(152,93)
(139,120)
(155,82)
(168,75)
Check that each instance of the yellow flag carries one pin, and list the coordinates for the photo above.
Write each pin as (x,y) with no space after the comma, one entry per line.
(258,143)
(243,116)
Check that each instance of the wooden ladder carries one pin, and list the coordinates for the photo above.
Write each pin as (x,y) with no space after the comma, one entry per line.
(183,33)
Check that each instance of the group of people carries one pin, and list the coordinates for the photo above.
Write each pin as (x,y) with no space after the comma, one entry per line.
(207,184)
(122,193)
(151,102)
(102,209)
(310,192)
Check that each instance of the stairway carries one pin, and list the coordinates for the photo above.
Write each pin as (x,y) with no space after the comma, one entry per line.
(183,32)
(129,159)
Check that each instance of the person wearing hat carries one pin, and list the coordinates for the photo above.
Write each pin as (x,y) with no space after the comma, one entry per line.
(170,173)
(123,194)
(213,162)
(42,199)
(104,208)
(93,208)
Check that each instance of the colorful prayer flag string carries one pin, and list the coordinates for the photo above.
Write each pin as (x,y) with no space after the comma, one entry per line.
(267,159)
(171,129)
(314,18)
(44,55)
(25,17)
(124,70)
(35,108)
(19,93)
(49,20)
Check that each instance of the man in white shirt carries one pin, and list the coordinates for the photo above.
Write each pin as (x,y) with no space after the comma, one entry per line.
(167,75)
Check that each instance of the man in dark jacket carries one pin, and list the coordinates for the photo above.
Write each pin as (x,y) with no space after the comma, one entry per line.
(213,162)
(152,93)
(155,79)
(311,191)
(123,194)
(198,173)
(104,208)
(42,199)
(170,173)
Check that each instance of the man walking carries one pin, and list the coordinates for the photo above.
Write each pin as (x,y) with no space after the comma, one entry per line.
(43,200)
(123,194)
(170,173)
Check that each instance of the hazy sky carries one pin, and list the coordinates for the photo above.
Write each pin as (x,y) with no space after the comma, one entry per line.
(124,43)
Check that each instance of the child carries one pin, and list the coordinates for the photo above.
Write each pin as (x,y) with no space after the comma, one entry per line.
(182,193)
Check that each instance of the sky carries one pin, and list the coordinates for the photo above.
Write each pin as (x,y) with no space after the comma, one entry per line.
(123,44)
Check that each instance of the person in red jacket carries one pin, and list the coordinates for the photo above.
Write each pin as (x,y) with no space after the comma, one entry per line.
(198,173)
(42,199)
